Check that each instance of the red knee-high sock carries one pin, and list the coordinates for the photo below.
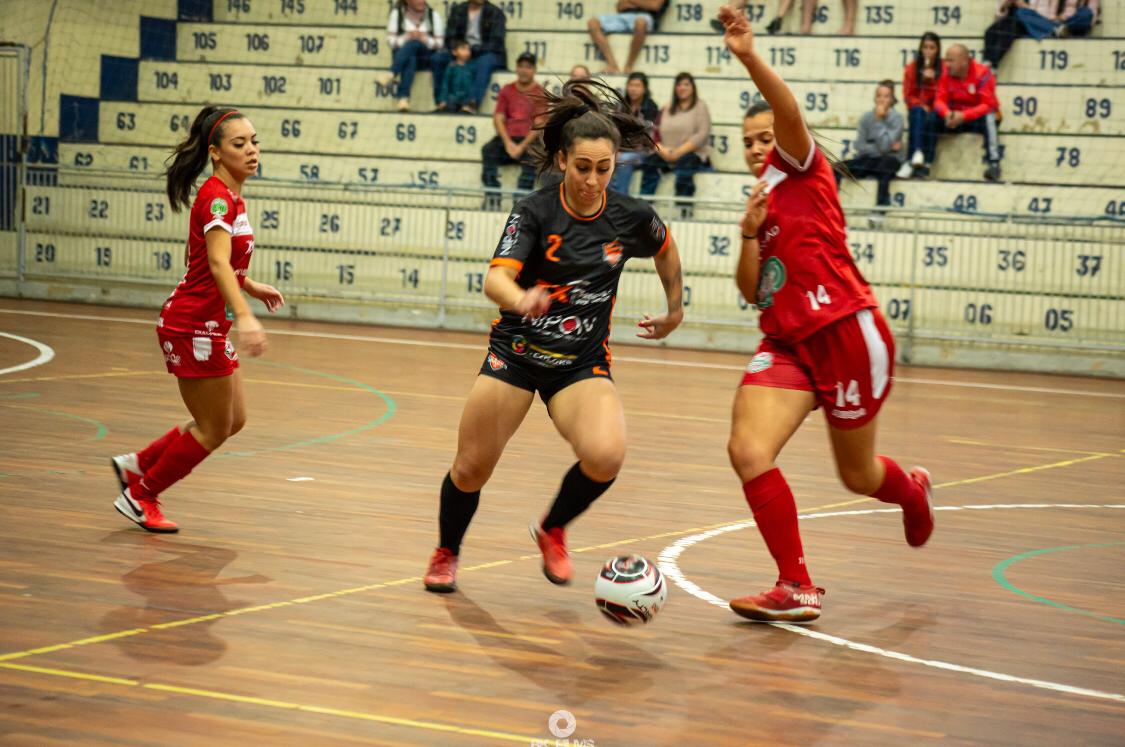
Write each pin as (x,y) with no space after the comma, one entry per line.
(775,513)
(148,456)
(898,487)
(173,465)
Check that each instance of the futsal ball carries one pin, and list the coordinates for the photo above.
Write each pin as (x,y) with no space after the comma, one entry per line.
(630,590)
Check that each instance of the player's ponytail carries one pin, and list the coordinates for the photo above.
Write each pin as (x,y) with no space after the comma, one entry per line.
(586,109)
(190,157)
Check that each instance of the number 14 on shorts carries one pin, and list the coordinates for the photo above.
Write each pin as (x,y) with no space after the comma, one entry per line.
(848,395)
(819,299)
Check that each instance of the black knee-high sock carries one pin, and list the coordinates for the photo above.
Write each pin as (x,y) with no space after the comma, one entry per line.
(575,496)
(457,509)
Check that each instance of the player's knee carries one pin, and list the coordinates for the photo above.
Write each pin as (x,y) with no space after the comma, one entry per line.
(236,425)
(470,474)
(605,463)
(861,480)
(748,458)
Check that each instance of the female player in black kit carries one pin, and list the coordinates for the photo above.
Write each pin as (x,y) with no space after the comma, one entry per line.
(554,275)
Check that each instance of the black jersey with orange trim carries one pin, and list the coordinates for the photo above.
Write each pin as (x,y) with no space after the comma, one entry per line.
(579,260)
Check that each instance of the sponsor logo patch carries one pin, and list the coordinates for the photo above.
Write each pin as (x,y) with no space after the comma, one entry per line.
(849,414)
(219,206)
(519,345)
(612,252)
(230,352)
(760,362)
(772,280)
(495,363)
(511,234)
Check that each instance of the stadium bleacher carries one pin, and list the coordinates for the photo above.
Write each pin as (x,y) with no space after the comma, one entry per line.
(311,76)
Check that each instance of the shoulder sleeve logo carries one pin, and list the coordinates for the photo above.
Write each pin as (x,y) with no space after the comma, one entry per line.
(219,206)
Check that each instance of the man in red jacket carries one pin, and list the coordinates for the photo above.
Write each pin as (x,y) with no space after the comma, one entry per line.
(966,102)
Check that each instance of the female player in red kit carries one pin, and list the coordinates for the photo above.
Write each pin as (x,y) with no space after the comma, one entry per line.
(194,323)
(825,343)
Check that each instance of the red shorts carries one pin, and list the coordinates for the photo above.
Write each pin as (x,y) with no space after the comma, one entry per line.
(849,365)
(190,357)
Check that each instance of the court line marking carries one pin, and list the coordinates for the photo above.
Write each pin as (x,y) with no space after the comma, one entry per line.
(46,353)
(670,555)
(999,577)
(102,430)
(279,704)
(627,359)
(480,566)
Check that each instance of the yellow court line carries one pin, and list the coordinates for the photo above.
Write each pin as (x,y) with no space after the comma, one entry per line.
(1025,470)
(972,442)
(279,704)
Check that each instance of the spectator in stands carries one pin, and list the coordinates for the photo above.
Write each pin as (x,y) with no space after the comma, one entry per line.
(966,102)
(482,24)
(639,17)
(579,72)
(878,143)
(518,106)
(415,31)
(808,11)
(1037,19)
(684,134)
(919,87)
(640,104)
(457,83)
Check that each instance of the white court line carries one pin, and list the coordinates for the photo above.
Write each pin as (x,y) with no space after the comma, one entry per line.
(670,555)
(45,354)
(627,359)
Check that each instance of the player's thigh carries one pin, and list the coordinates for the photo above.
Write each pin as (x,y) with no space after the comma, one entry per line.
(588,414)
(763,420)
(492,414)
(210,400)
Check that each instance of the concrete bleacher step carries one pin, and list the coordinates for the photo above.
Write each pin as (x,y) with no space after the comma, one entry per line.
(1086,61)
(956,257)
(888,18)
(1027,108)
(288,170)
(1048,159)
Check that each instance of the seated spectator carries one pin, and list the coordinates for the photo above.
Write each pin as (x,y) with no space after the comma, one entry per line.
(640,104)
(919,87)
(414,31)
(966,102)
(684,148)
(457,84)
(482,24)
(579,72)
(808,10)
(1059,18)
(638,17)
(878,143)
(518,106)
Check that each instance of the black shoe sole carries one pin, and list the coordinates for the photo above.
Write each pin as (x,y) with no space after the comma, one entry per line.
(441,588)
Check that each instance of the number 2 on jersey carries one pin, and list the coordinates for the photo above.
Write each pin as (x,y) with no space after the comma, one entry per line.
(820,299)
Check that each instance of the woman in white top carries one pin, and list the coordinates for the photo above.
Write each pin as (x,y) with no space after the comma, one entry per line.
(414,31)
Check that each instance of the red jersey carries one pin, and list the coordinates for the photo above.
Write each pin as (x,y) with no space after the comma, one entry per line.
(808,278)
(974,95)
(196,307)
(915,94)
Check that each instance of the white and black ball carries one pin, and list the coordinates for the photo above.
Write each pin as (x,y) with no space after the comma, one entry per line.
(630,590)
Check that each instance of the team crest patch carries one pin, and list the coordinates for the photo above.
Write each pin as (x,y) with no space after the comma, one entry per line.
(612,252)
(229,350)
(218,206)
(519,345)
(772,280)
(760,362)
(495,363)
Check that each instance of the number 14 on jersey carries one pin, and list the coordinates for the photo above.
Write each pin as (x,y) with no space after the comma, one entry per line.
(819,299)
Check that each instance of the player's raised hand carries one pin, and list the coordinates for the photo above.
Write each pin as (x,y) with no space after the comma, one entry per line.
(755,214)
(659,327)
(739,37)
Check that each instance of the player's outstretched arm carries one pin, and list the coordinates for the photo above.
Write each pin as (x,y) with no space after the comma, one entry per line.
(672,278)
(788,125)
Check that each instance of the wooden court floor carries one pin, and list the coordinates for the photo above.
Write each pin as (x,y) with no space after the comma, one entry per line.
(290,611)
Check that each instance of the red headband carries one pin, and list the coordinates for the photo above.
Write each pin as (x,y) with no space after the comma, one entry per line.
(218,122)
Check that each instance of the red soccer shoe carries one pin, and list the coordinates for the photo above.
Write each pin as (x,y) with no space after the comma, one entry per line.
(785,602)
(441,576)
(918,521)
(556,559)
(146,513)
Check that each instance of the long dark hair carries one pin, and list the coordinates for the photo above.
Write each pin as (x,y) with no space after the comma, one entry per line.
(190,157)
(586,109)
(675,105)
(644,82)
(919,60)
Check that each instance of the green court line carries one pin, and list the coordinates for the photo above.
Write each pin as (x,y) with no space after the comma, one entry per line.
(20,395)
(102,430)
(392,408)
(999,569)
